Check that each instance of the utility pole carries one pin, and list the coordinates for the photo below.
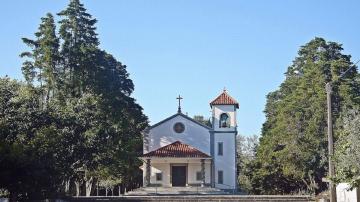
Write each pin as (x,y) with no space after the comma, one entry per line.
(328,88)
(332,188)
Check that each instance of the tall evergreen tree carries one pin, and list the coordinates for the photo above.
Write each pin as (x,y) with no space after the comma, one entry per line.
(79,47)
(292,154)
(44,58)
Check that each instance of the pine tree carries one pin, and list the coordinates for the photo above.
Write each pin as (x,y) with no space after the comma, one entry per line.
(44,58)
(79,47)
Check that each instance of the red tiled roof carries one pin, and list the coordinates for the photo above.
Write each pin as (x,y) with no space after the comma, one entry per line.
(224,99)
(177,149)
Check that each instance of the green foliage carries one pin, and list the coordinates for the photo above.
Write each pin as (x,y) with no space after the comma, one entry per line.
(25,165)
(246,147)
(347,149)
(202,120)
(79,48)
(292,154)
(43,60)
(74,122)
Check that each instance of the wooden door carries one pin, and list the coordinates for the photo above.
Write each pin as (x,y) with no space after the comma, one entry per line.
(178,176)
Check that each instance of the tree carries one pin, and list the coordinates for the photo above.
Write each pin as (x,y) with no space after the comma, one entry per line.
(43,60)
(348,149)
(79,48)
(246,148)
(62,132)
(292,154)
(202,120)
(29,155)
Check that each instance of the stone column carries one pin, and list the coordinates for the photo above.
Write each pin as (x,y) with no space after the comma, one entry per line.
(202,172)
(147,172)
(212,173)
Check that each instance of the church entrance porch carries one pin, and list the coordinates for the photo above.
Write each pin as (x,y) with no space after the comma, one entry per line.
(176,165)
(177,172)
(178,175)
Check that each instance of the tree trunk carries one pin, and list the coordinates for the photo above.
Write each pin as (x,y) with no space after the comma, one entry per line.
(77,187)
(47,96)
(67,187)
(89,185)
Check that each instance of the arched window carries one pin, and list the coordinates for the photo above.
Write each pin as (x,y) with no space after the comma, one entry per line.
(224,121)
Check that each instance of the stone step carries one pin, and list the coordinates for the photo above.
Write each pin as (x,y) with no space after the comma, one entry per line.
(196,198)
(175,191)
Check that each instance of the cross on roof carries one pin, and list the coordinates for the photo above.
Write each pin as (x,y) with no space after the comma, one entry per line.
(179,108)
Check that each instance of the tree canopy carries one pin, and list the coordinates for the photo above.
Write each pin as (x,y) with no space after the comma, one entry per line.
(73,123)
(347,149)
(292,154)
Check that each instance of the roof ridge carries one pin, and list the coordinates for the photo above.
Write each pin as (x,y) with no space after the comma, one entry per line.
(183,115)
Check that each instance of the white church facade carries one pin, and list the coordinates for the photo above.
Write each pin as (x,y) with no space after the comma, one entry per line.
(180,152)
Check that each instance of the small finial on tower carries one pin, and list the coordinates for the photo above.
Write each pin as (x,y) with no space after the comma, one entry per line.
(179,108)
(224,89)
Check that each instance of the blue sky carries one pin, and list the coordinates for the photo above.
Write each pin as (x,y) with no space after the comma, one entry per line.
(196,48)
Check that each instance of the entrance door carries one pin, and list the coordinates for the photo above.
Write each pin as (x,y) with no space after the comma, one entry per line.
(178,176)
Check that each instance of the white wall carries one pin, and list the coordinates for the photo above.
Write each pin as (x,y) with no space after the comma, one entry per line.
(163,168)
(343,194)
(226,162)
(194,135)
(196,167)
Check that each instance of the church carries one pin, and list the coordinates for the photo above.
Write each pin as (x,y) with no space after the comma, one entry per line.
(181,152)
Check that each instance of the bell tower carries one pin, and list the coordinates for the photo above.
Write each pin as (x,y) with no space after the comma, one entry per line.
(223,141)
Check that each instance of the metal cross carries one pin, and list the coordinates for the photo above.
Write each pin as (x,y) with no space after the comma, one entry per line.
(179,108)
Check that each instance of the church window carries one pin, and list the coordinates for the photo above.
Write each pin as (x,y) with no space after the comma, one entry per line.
(224,121)
(220,148)
(220,177)
(198,176)
(179,127)
(158,176)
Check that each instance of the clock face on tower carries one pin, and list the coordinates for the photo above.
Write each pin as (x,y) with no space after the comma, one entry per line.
(179,127)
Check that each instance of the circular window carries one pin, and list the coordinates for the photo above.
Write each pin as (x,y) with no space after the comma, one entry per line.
(179,127)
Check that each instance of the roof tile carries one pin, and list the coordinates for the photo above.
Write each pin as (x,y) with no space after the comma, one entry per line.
(224,99)
(178,150)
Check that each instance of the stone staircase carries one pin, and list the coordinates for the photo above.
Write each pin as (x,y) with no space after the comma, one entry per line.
(196,198)
(190,194)
(146,191)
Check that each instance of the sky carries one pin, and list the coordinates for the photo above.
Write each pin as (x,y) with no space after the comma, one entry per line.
(196,48)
